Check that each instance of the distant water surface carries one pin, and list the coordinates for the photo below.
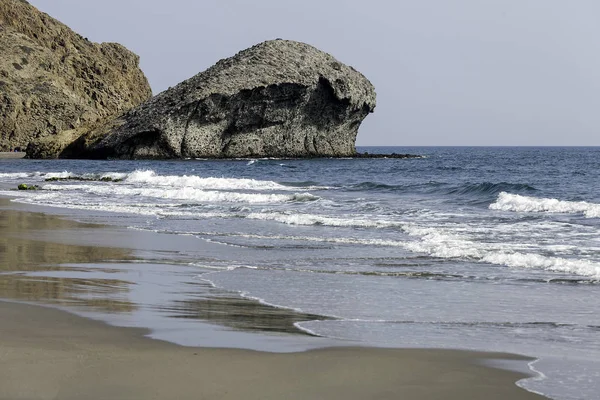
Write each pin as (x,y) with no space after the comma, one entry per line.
(466,247)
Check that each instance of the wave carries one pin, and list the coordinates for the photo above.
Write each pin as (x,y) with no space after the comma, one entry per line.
(70,176)
(434,242)
(555,264)
(439,243)
(491,188)
(38,175)
(151,178)
(315,220)
(370,185)
(173,181)
(406,274)
(518,203)
(339,240)
(484,188)
(375,186)
(313,185)
(14,175)
(184,194)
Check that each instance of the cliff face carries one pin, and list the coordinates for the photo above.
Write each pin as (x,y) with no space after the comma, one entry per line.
(53,81)
(277,99)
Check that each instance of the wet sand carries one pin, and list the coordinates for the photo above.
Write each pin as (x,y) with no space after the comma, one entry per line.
(51,354)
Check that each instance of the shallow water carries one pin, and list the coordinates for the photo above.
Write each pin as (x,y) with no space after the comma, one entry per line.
(474,248)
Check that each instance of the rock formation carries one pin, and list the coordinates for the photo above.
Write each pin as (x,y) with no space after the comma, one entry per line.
(276,99)
(55,84)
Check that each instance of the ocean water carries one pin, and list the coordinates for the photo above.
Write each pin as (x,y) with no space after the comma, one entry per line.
(480,248)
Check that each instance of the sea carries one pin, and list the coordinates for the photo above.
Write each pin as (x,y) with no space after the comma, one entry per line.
(479,248)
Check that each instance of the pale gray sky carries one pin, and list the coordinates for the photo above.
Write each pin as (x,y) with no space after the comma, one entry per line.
(447,72)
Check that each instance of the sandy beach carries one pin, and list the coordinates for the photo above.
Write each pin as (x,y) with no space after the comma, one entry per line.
(51,354)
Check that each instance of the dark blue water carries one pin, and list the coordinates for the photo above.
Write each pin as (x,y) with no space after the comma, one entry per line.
(479,248)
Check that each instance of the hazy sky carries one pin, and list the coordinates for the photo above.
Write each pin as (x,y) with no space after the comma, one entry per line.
(447,72)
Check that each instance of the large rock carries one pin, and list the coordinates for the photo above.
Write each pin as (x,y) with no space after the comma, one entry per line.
(277,99)
(53,81)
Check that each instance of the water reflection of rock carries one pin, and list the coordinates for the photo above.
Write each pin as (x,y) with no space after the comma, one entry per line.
(97,294)
(243,314)
(20,256)
(33,255)
(36,267)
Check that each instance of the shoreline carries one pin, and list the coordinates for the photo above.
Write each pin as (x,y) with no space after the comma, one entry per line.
(37,335)
(50,353)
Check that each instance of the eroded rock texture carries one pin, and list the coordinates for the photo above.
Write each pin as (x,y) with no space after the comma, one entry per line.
(55,84)
(277,99)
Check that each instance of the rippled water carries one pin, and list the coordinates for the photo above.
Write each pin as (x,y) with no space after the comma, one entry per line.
(482,248)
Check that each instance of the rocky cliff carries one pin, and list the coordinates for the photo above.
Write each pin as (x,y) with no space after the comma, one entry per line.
(53,81)
(277,99)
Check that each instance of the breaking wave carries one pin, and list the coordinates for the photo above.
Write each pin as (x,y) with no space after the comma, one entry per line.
(555,264)
(518,203)
(14,175)
(439,243)
(152,178)
(184,194)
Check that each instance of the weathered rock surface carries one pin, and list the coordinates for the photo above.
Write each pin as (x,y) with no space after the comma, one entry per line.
(52,80)
(276,99)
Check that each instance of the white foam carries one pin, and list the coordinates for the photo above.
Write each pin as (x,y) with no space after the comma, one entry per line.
(62,175)
(518,203)
(183,193)
(340,240)
(114,175)
(30,196)
(309,219)
(57,201)
(538,376)
(59,175)
(440,243)
(299,326)
(556,264)
(14,175)
(151,178)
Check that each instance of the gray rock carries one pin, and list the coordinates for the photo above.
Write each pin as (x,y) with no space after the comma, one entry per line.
(279,98)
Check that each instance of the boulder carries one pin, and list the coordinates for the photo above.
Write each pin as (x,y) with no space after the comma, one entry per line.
(52,80)
(279,98)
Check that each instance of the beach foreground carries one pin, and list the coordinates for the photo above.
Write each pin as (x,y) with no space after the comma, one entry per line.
(51,354)
(47,353)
